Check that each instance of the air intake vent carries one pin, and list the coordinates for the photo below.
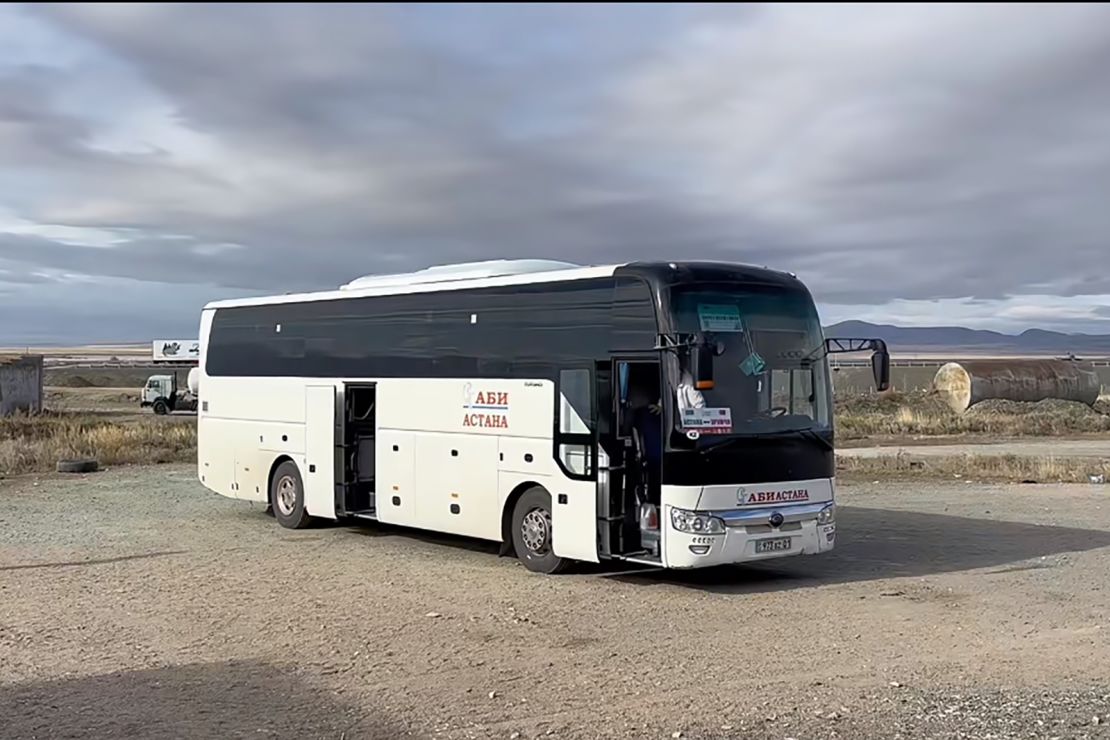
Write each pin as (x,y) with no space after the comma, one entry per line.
(461,271)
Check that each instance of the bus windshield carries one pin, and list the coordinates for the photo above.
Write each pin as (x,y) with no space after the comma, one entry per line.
(769,371)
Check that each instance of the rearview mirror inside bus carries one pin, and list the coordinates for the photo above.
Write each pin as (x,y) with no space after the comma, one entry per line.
(703,366)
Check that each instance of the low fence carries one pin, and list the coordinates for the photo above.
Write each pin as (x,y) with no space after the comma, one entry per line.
(854,376)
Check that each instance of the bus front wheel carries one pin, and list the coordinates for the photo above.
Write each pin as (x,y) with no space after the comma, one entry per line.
(287,497)
(531,528)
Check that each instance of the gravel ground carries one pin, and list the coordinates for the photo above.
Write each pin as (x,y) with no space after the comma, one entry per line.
(133,603)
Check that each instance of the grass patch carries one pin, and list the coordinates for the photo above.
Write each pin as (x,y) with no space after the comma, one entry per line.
(1000,468)
(925,415)
(31,444)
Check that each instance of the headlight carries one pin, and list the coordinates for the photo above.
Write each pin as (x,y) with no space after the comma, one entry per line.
(827,515)
(694,523)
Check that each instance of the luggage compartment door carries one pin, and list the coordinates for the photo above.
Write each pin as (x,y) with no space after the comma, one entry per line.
(320,435)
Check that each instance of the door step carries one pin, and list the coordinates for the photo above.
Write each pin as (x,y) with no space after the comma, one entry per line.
(643,558)
(370,514)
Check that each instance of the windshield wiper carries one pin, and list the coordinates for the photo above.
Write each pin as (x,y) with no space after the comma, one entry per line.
(805,433)
(720,445)
(808,434)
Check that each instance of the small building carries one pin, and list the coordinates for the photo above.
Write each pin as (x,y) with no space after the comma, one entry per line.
(20,384)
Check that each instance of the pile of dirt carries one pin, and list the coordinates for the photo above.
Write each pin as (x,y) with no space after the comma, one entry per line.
(73,381)
(109,377)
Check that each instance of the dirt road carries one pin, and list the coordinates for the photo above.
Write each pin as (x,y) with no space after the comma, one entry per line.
(1042,447)
(135,604)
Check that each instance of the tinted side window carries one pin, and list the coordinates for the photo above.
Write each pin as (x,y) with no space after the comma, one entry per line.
(633,319)
(514,331)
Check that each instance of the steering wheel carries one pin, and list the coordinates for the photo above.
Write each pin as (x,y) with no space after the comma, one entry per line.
(782,410)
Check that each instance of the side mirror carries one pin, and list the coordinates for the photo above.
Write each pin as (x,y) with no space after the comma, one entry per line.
(880,358)
(880,368)
(702,370)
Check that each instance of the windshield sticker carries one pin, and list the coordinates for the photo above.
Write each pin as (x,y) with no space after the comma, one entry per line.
(753,365)
(708,420)
(720,317)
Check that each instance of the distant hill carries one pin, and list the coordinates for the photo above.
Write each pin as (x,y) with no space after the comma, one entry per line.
(935,339)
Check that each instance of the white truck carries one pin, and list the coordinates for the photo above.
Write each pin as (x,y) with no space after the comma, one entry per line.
(162,394)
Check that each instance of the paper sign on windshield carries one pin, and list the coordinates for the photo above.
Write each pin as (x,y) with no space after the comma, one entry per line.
(707,420)
(722,318)
(753,364)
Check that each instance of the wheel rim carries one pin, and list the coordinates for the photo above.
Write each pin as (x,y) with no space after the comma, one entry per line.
(286,495)
(535,531)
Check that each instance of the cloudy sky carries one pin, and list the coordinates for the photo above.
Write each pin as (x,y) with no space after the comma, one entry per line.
(916,165)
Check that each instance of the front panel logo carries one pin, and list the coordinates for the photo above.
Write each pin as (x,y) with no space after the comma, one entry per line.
(745,496)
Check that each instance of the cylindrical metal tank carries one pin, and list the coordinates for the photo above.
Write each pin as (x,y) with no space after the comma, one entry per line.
(964,384)
(193,381)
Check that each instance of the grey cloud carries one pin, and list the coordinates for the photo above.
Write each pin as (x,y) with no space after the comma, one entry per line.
(941,152)
(410,144)
(64,311)
(946,153)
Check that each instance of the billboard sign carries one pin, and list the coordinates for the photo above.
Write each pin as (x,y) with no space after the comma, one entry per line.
(176,350)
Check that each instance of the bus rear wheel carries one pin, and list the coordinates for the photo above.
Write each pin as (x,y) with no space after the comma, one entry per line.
(287,497)
(531,529)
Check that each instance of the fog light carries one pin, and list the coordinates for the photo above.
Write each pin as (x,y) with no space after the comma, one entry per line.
(699,549)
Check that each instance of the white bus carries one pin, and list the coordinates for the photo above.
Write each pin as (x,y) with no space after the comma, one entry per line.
(675,414)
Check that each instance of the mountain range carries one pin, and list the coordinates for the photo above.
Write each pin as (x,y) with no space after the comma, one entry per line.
(948,339)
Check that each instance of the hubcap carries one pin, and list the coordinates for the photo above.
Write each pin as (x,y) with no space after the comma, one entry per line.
(535,531)
(286,494)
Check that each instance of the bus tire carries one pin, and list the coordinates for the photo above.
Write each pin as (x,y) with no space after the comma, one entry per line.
(531,530)
(287,497)
(161,407)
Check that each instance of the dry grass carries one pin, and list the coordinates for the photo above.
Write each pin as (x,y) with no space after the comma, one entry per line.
(1005,468)
(35,443)
(925,415)
(126,436)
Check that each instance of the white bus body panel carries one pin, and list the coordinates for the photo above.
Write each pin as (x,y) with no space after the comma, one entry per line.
(474,444)
(395,469)
(320,434)
(456,484)
(439,443)
(244,426)
(747,509)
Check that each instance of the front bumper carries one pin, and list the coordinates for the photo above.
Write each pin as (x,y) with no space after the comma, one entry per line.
(744,529)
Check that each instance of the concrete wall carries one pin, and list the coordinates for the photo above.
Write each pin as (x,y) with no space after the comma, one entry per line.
(20,384)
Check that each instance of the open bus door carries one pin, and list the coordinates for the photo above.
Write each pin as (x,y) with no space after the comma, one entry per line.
(628,487)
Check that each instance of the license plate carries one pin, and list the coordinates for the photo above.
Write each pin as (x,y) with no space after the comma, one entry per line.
(776,545)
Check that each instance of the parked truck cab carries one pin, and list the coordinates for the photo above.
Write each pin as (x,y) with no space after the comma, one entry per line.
(162,395)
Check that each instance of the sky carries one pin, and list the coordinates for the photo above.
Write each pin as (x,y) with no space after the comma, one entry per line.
(912,164)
